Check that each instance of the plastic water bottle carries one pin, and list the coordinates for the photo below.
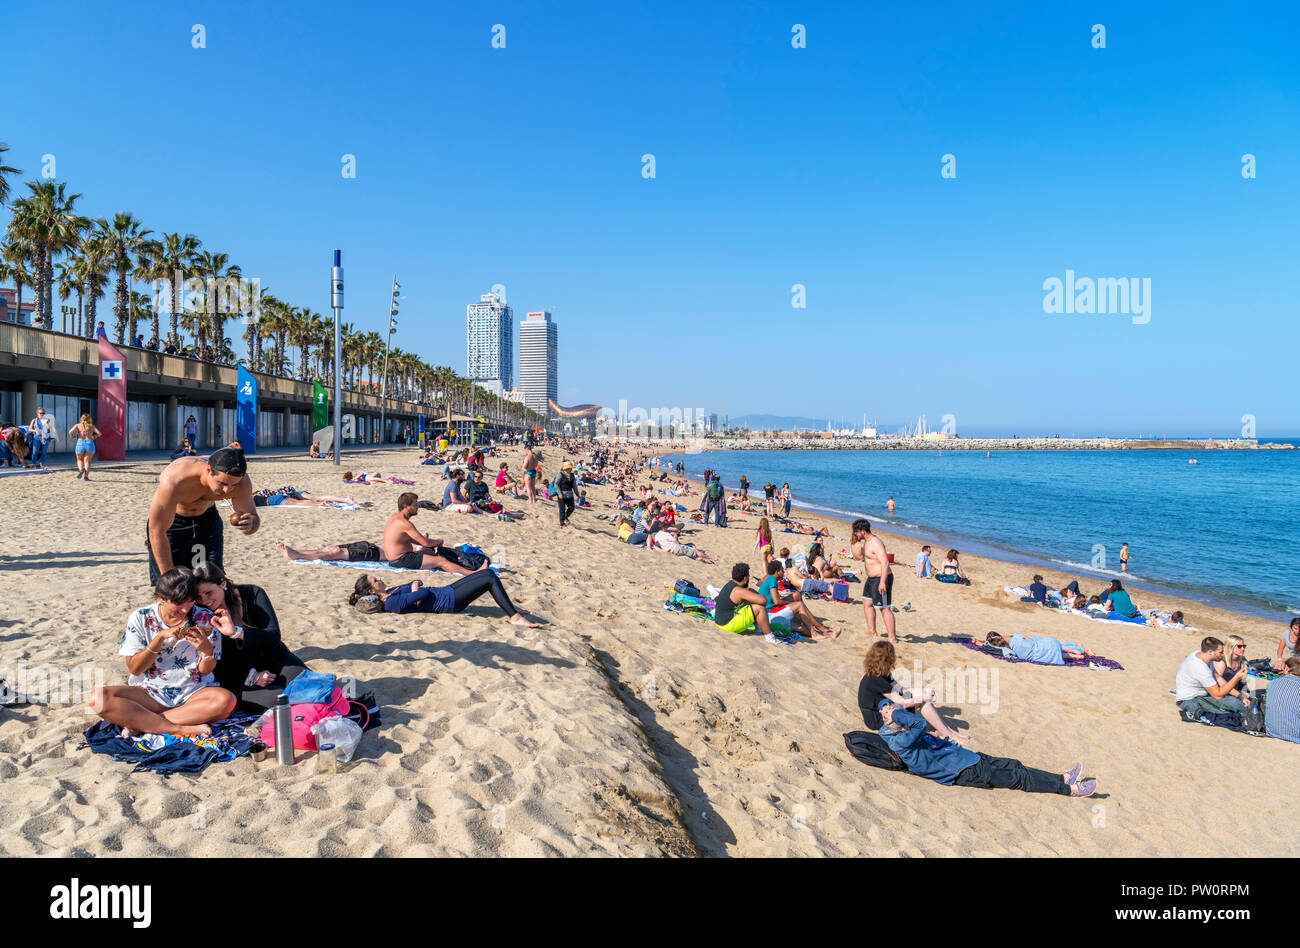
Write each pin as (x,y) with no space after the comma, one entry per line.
(283,726)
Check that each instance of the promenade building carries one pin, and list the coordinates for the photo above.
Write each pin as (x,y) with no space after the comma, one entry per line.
(490,343)
(60,372)
(538,363)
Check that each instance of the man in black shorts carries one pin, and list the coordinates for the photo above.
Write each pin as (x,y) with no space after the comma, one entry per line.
(184,528)
(358,551)
(407,548)
(875,562)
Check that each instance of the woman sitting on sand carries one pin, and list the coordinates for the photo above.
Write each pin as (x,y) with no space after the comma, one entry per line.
(818,565)
(505,484)
(951,571)
(254,665)
(1119,601)
(1234,659)
(171,649)
(1042,650)
(1288,645)
(371,595)
(878,688)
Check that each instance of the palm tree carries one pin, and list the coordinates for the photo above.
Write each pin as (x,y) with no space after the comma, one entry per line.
(91,266)
(67,282)
(172,259)
(212,268)
(5,171)
(124,241)
(47,219)
(140,309)
(15,255)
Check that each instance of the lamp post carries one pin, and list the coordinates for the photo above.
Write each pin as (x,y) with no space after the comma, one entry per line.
(388,344)
(336,299)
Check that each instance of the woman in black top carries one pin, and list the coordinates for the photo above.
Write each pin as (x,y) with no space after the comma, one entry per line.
(255,664)
(878,685)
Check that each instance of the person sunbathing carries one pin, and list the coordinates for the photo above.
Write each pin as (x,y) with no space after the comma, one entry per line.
(314,450)
(1042,650)
(668,542)
(818,565)
(953,766)
(371,595)
(292,497)
(1166,620)
(878,688)
(171,649)
(255,666)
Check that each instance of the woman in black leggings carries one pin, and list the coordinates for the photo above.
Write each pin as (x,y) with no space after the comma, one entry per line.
(372,595)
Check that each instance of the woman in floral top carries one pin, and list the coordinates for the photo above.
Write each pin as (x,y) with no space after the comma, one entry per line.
(171,649)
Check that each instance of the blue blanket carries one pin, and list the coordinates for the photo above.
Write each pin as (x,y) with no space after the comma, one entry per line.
(167,755)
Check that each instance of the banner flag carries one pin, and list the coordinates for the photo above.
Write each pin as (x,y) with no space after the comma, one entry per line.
(320,406)
(246,410)
(111,420)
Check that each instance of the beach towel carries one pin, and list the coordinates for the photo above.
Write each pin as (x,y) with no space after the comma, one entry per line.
(167,755)
(1005,655)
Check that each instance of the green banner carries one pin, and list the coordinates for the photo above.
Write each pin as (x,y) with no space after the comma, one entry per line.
(320,406)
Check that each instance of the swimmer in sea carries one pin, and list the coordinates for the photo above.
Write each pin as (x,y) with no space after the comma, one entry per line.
(891,505)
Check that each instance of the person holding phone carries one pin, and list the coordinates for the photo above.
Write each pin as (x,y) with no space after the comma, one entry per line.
(171,650)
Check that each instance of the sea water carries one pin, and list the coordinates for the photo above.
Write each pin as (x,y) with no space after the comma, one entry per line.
(1219,531)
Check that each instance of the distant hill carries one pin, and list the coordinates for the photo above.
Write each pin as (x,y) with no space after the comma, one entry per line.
(776,422)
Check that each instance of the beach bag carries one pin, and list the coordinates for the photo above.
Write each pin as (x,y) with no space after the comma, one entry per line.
(684,587)
(1252,719)
(872,750)
(304,717)
(840,592)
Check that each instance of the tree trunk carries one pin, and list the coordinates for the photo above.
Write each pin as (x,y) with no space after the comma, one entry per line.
(120,303)
(174,291)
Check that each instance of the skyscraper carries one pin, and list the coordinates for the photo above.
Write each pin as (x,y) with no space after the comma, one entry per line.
(490,343)
(538,363)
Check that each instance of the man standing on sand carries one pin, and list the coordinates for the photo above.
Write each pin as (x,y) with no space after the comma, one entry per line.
(407,548)
(877,591)
(184,527)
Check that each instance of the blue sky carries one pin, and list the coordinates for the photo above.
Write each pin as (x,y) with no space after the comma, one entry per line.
(775,166)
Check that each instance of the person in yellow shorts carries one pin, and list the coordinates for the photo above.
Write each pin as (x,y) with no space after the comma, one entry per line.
(738,608)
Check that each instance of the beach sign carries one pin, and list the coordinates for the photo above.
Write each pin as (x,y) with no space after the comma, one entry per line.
(111,413)
(320,405)
(246,410)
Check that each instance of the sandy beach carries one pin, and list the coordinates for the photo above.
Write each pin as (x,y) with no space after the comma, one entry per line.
(617,728)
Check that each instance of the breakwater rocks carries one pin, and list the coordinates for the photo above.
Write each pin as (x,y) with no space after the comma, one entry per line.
(978,444)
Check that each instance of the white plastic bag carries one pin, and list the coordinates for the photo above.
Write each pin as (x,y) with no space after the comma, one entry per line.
(343,733)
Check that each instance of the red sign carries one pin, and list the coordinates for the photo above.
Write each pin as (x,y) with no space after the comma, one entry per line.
(112,404)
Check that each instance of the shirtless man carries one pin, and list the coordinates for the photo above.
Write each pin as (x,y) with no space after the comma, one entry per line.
(184,527)
(877,590)
(407,548)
